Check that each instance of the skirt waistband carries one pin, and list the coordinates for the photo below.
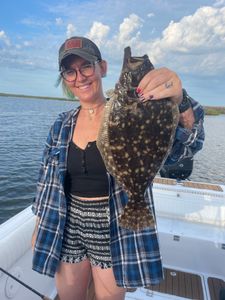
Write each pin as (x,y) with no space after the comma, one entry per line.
(88,200)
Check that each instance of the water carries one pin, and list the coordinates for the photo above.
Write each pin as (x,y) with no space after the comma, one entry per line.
(24,125)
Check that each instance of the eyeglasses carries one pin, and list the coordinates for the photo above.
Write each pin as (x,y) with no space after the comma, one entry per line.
(87,70)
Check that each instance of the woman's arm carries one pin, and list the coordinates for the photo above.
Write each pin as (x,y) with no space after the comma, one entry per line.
(190,133)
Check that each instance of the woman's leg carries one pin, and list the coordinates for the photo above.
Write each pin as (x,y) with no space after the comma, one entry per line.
(105,285)
(72,280)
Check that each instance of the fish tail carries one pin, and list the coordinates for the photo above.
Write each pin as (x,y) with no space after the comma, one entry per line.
(136,216)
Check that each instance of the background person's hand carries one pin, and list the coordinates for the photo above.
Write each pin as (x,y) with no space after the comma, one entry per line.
(187,118)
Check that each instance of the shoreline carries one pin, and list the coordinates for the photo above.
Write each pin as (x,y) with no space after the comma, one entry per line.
(214,110)
(209,110)
(36,97)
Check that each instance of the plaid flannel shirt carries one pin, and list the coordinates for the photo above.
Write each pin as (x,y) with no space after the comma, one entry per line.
(188,142)
(136,257)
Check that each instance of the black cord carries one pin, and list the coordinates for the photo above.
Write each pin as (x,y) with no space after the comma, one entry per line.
(25,285)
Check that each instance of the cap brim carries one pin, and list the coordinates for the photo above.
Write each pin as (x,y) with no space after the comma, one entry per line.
(80,53)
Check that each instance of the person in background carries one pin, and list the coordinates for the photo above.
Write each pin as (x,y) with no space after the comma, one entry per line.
(77,203)
(189,139)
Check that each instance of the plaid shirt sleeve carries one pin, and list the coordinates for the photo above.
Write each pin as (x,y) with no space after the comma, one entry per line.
(37,201)
(188,142)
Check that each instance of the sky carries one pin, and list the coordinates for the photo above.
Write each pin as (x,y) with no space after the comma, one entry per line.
(187,37)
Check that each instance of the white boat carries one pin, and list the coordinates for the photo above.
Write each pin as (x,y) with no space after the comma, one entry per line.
(191,225)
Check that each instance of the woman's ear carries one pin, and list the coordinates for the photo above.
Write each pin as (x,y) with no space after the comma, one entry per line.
(103,66)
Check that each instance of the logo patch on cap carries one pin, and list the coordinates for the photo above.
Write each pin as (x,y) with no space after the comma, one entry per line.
(73,43)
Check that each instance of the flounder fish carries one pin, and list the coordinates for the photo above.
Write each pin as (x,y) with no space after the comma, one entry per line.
(135,138)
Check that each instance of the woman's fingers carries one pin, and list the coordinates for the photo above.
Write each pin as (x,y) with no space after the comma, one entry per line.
(160,83)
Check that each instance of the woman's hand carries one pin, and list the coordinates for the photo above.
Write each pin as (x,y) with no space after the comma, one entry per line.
(160,83)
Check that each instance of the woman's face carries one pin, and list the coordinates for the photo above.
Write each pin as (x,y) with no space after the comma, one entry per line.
(86,88)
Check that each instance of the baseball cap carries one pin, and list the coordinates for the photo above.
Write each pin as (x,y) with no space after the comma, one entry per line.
(80,46)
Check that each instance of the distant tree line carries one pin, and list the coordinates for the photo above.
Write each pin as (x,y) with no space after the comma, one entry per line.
(214,110)
(209,110)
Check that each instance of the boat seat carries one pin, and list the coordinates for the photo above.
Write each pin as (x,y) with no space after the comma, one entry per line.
(15,237)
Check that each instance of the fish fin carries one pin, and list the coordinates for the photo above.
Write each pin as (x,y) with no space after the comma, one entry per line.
(136,217)
(126,57)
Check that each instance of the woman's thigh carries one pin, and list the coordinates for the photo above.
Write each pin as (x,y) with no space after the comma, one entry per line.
(72,280)
(105,285)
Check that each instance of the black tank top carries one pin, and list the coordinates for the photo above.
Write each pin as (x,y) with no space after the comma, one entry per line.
(86,173)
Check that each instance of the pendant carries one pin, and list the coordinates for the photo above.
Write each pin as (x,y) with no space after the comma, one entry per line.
(91,110)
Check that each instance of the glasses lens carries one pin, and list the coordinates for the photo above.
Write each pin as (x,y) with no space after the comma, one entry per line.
(87,70)
(69,75)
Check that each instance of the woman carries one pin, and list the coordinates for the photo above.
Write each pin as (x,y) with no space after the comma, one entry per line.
(77,205)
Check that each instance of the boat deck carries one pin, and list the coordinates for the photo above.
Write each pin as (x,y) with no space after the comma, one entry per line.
(182,284)
(190,184)
(179,284)
(215,288)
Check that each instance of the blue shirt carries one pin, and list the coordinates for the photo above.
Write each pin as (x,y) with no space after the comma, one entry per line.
(136,257)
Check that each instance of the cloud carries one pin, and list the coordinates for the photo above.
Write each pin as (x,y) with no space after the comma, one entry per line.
(70,30)
(59,21)
(128,34)
(30,54)
(127,29)
(4,38)
(34,22)
(98,33)
(204,30)
(150,15)
(193,44)
(198,40)
(219,3)
(27,43)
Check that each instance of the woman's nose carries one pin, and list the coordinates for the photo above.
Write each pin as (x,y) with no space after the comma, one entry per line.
(80,76)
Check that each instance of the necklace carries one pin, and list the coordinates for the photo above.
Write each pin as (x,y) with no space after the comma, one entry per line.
(91,110)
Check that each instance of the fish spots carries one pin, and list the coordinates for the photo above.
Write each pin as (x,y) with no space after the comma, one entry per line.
(134,139)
